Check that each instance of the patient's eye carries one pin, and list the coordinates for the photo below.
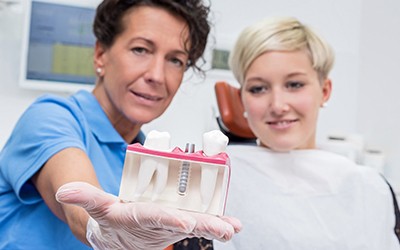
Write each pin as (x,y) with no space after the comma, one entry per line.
(294,85)
(257,89)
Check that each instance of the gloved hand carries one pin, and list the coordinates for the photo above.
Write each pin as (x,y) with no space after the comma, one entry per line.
(114,224)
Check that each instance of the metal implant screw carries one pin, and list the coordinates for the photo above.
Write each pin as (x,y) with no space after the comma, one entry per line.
(184,173)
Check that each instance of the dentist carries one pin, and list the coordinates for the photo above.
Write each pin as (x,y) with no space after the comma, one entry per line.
(61,167)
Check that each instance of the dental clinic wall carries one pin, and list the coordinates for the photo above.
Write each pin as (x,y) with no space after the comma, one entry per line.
(364,35)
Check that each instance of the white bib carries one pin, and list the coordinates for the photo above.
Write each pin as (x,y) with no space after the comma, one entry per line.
(306,200)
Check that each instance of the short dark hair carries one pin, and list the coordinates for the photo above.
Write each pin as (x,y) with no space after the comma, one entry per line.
(108,22)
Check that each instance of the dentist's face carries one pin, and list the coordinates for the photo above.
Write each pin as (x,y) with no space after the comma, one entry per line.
(282,95)
(143,69)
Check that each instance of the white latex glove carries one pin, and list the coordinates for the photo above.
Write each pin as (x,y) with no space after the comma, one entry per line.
(114,224)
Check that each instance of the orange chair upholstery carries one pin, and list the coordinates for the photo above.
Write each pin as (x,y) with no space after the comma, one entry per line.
(231,120)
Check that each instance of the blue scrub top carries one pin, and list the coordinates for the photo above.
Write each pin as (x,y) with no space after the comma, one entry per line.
(49,125)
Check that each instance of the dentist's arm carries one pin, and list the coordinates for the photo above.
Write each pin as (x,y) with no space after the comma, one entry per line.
(112,223)
(68,165)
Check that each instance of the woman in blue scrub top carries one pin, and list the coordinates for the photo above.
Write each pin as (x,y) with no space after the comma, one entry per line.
(142,50)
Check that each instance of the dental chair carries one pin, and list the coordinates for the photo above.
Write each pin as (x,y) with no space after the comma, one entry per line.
(231,120)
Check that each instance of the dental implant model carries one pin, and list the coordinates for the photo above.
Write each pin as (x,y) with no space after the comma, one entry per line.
(191,180)
(214,142)
(147,167)
(151,165)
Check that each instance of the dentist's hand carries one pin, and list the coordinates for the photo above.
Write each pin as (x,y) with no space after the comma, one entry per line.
(117,225)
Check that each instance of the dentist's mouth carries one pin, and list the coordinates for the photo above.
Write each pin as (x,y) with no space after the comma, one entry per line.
(147,97)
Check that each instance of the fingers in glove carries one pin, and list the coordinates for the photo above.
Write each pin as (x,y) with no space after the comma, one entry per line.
(160,217)
(237,225)
(213,227)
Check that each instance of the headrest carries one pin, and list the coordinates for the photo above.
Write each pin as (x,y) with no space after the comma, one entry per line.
(231,110)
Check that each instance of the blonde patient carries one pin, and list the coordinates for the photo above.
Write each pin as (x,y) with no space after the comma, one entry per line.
(287,193)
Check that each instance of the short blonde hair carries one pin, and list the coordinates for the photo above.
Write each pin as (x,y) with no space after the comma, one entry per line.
(279,34)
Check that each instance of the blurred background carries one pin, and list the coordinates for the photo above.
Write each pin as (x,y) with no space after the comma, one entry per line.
(361,120)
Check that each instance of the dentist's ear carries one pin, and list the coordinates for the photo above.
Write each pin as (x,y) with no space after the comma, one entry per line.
(99,52)
(326,92)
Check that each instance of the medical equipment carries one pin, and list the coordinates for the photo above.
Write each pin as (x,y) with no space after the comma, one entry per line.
(154,173)
(231,120)
(375,158)
(57,45)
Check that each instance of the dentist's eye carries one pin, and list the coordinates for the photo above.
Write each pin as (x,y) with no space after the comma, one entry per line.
(139,50)
(177,62)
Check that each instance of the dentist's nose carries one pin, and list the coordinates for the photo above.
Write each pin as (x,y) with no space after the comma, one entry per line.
(155,72)
(278,103)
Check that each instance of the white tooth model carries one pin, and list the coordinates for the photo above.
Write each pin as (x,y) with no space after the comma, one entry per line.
(151,173)
(214,142)
(150,165)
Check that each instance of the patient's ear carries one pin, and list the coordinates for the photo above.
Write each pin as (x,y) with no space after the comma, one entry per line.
(326,90)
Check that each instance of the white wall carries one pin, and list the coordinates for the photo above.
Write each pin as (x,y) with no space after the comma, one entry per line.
(13,100)
(378,114)
(363,34)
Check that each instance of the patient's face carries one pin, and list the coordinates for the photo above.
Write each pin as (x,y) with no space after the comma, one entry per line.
(282,96)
